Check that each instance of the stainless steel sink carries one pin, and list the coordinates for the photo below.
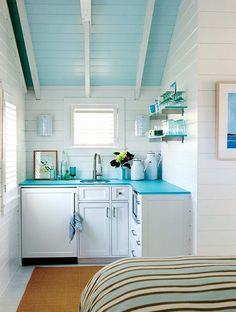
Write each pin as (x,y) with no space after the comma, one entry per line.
(93,181)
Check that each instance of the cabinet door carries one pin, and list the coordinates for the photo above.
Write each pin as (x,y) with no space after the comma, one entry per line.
(95,236)
(119,229)
(46,214)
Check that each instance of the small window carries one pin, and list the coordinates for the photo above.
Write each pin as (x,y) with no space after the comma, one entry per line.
(95,125)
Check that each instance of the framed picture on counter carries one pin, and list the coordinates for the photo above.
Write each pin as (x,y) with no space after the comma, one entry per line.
(226,120)
(44,162)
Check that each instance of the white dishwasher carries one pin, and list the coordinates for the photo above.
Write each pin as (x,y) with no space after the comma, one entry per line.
(45,218)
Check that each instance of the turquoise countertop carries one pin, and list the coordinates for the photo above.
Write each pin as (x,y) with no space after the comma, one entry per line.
(142,187)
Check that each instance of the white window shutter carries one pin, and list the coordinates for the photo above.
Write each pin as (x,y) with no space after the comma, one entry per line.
(94,126)
(1,153)
(10,150)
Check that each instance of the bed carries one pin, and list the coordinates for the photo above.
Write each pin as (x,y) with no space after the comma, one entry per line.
(163,284)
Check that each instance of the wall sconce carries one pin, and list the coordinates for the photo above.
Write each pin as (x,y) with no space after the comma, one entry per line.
(141,125)
(44,125)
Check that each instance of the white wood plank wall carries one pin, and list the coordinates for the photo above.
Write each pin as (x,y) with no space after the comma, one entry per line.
(180,160)
(52,102)
(9,222)
(216,179)
(202,52)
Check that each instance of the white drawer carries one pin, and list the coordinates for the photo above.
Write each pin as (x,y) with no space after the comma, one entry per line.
(94,193)
(120,193)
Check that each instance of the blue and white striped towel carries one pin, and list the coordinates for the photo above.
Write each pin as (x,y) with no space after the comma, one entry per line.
(75,225)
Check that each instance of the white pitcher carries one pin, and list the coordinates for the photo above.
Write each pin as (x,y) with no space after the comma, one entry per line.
(151,166)
(137,170)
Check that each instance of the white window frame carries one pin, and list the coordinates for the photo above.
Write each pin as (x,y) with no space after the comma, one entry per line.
(118,104)
(9,197)
(10,194)
(2,189)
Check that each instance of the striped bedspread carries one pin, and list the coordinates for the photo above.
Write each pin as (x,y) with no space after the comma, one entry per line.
(161,284)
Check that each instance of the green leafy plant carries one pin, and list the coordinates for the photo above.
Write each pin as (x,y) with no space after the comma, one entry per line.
(122,159)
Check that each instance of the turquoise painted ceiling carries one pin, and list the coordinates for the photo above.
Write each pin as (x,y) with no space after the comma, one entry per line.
(116,33)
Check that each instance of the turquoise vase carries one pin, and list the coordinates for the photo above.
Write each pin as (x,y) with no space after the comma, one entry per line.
(124,173)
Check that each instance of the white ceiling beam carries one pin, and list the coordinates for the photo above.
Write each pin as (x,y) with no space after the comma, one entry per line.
(85,7)
(87,58)
(14,45)
(144,46)
(29,46)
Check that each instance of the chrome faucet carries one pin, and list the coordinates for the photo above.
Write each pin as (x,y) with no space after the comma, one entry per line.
(97,173)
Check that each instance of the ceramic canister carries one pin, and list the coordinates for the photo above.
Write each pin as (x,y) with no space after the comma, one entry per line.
(137,170)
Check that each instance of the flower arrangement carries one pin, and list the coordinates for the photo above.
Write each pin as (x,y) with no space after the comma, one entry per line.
(122,159)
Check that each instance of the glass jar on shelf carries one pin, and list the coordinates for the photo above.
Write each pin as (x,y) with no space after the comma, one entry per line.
(181,127)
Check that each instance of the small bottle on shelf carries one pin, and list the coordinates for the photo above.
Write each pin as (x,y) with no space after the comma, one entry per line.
(64,165)
(52,173)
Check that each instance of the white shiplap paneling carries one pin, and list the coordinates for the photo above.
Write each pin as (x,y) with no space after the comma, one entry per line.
(216,179)
(180,160)
(52,101)
(14,93)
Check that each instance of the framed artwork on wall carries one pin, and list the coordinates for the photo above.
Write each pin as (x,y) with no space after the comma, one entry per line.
(226,120)
(43,163)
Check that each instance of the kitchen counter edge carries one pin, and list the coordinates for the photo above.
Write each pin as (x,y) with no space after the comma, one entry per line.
(156,187)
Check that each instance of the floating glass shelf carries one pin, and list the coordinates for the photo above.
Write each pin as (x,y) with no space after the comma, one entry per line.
(168,110)
(167,137)
(158,116)
(174,137)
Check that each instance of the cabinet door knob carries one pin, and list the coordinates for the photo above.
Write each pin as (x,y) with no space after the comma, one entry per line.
(107,212)
(114,212)
(120,193)
(133,253)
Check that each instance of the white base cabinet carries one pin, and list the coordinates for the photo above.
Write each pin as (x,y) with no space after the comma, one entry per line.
(46,214)
(165,227)
(105,224)
(94,239)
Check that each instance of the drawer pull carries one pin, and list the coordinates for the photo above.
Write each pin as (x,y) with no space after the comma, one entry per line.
(138,242)
(133,253)
(120,193)
(133,232)
(114,212)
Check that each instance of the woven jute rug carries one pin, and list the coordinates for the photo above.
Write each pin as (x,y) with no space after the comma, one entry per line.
(55,289)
